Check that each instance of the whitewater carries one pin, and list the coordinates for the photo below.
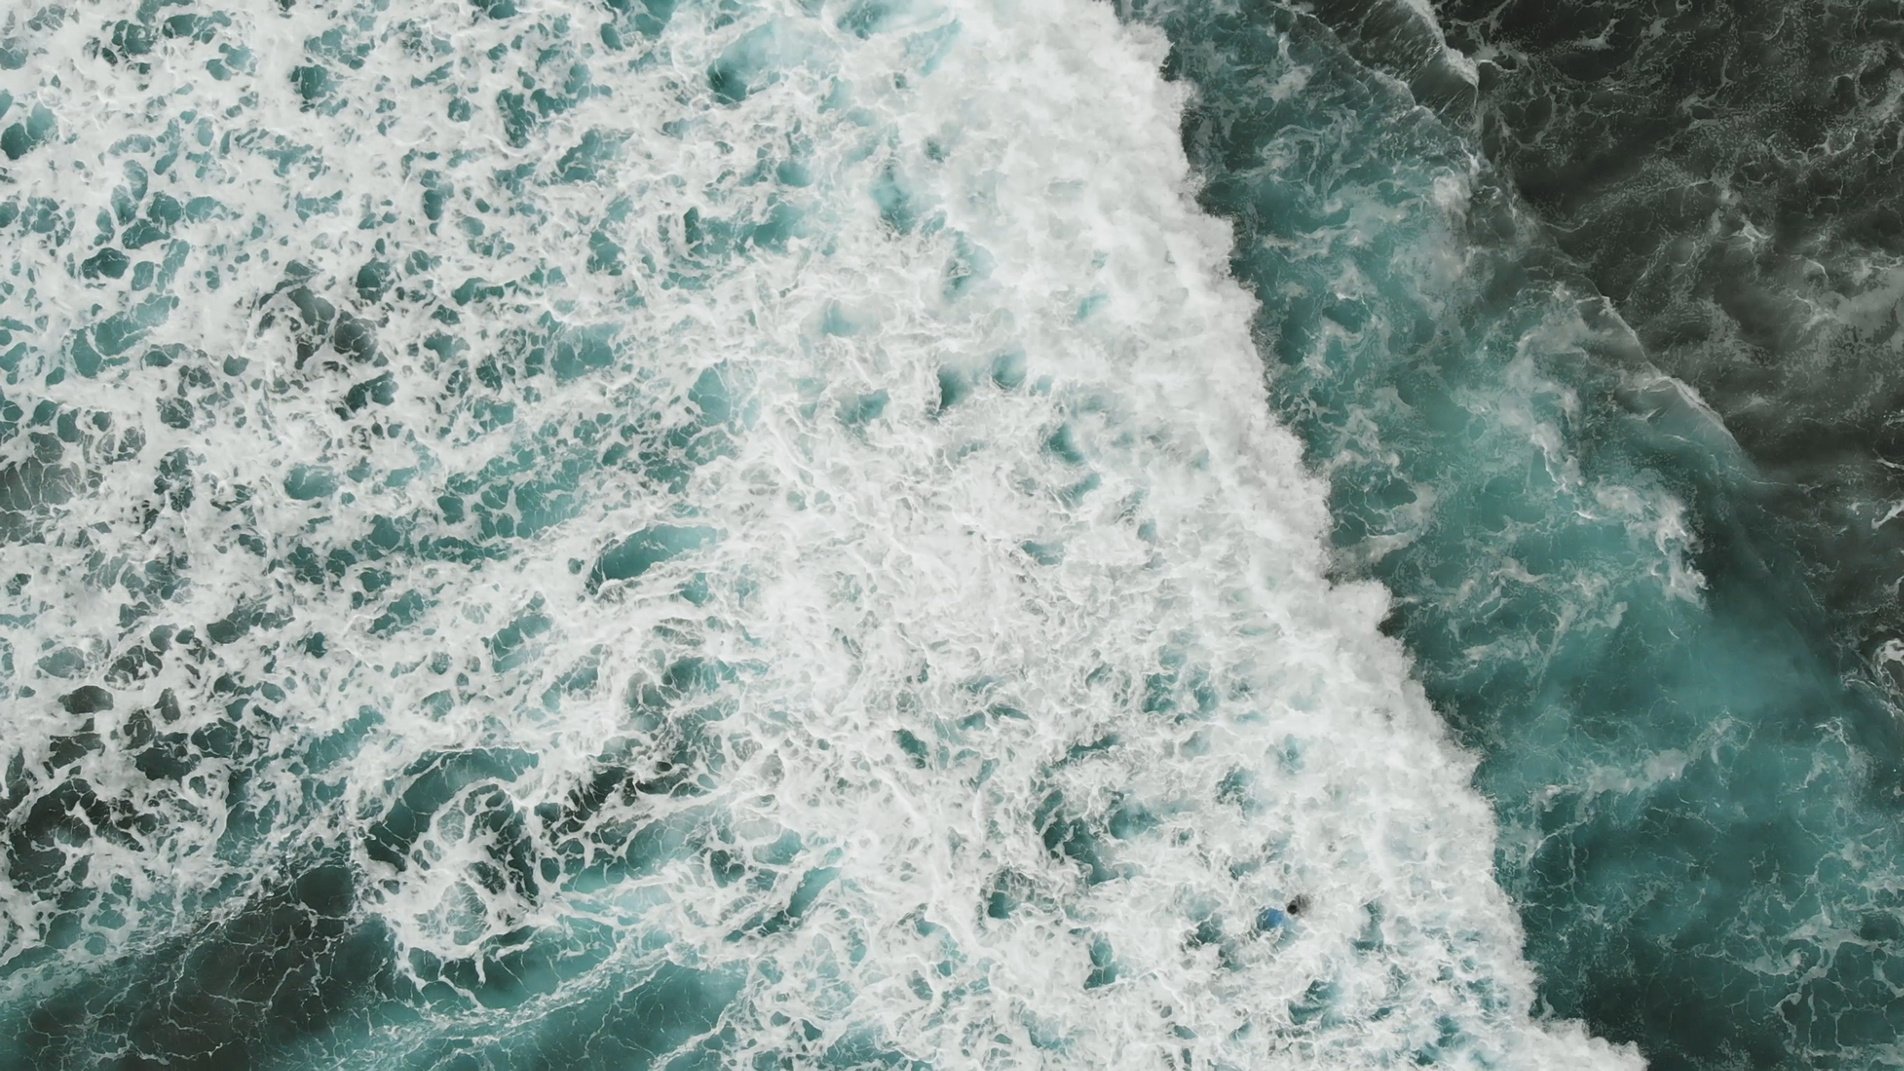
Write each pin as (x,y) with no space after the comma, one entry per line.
(748,534)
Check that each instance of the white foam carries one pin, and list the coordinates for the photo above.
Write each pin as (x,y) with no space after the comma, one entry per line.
(1167,658)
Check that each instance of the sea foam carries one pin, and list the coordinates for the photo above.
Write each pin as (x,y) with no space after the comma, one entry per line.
(644,536)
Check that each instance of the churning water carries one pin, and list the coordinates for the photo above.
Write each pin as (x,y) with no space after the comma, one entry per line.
(791,533)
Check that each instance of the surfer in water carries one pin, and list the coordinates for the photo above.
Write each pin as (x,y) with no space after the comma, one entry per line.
(1280,918)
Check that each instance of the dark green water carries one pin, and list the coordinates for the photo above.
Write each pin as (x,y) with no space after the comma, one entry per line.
(1652,618)
(557,534)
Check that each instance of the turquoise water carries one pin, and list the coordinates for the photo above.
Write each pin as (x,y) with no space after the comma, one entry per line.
(1699,789)
(785,534)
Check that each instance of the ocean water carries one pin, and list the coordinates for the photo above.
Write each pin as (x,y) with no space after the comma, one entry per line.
(1663,614)
(916,534)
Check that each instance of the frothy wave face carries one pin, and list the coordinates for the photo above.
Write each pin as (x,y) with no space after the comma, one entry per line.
(540,534)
